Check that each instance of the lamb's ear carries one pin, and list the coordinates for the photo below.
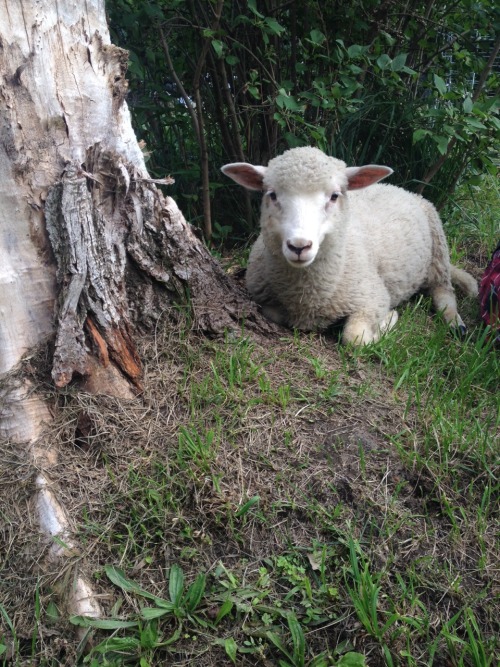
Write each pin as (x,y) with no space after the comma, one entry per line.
(247,175)
(362,177)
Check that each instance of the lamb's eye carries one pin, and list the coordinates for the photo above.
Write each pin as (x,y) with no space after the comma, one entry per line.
(334,197)
(272,196)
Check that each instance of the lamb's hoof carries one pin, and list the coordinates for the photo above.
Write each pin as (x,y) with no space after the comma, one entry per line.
(459,331)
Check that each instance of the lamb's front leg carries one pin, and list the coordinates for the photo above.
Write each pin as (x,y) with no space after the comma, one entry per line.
(362,328)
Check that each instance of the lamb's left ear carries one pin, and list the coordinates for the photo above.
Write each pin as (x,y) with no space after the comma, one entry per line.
(247,175)
(362,177)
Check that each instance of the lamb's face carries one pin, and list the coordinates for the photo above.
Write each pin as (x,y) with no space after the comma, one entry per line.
(298,222)
(304,197)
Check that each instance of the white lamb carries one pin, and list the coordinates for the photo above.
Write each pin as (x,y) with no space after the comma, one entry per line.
(331,247)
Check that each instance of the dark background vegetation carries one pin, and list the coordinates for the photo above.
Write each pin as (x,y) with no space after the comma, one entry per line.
(410,84)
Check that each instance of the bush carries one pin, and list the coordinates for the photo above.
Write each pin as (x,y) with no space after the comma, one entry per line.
(363,80)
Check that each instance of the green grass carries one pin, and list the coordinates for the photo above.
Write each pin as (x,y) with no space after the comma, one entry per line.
(296,504)
(472,218)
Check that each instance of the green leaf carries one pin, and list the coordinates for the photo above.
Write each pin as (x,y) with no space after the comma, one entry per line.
(418,135)
(122,644)
(195,592)
(384,61)
(176,583)
(393,618)
(298,639)
(475,123)
(468,105)
(101,623)
(274,26)
(399,62)
(389,38)
(388,656)
(273,637)
(218,47)
(355,50)
(440,84)
(252,6)
(150,613)
(254,92)
(352,660)
(174,637)
(153,11)
(52,611)
(231,648)
(320,660)
(117,577)
(149,635)
(232,60)
(250,503)
(225,609)
(442,143)
(317,37)
(408,70)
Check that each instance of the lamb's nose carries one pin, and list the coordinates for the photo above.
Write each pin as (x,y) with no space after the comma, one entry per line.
(299,245)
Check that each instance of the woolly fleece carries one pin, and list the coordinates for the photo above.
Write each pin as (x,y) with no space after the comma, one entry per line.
(304,168)
(378,246)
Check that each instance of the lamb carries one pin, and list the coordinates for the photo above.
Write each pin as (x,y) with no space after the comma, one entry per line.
(336,244)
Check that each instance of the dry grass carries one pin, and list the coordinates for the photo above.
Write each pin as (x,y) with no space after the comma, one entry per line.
(333,452)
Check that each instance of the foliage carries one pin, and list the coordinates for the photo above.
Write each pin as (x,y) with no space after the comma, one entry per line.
(413,85)
(142,639)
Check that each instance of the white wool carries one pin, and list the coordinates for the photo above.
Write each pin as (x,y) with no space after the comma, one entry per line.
(335,245)
(305,167)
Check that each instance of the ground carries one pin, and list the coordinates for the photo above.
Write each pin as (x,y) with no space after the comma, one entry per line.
(298,476)
(287,501)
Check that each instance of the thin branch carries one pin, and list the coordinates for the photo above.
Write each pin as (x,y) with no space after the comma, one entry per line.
(187,100)
(487,69)
(205,175)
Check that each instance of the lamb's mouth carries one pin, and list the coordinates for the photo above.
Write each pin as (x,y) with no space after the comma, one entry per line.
(299,262)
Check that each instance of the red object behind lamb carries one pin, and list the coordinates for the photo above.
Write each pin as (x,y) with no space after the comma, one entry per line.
(489,293)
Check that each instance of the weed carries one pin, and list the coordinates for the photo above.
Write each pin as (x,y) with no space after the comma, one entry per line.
(365,595)
(6,642)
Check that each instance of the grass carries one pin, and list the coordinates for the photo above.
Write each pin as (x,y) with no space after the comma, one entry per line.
(295,503)
(471,218)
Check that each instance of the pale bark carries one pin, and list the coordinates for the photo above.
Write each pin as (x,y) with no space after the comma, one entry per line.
(88,245)
(56,69)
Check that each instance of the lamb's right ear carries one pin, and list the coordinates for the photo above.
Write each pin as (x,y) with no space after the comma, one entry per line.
(247,175)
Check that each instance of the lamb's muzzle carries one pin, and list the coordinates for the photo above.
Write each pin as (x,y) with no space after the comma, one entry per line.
(299,247)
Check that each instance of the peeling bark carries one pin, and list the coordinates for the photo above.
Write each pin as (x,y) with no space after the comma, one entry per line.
(90,272)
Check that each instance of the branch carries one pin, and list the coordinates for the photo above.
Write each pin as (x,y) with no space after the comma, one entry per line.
(205,176)
(178,83)
(487,69)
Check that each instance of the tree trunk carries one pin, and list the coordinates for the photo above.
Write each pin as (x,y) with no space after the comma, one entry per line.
(90,247)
